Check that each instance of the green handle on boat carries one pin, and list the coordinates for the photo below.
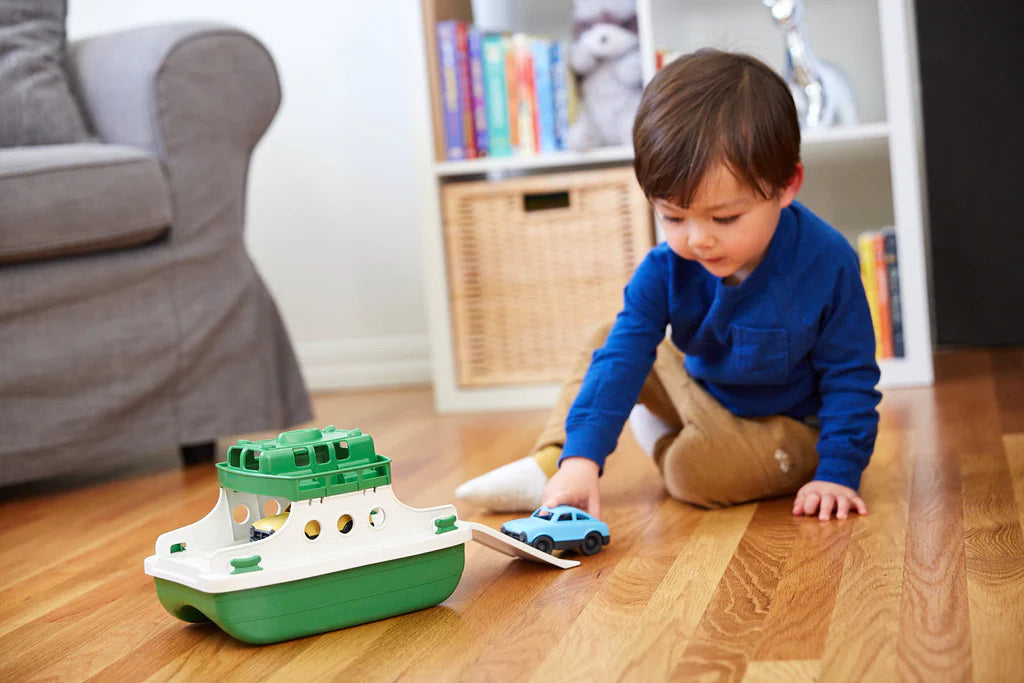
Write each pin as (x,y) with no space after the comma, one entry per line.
(445,524)
(246,564)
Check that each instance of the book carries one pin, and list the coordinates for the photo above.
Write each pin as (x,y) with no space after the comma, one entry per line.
(476,84)
(895,301)
(544,95)
(512,91)
(866,251)
(526,110)
(560,78)
(882,275)
(465,89)
(446,51)
(495,95)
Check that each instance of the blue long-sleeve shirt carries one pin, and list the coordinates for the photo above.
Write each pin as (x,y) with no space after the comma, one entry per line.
(795,338)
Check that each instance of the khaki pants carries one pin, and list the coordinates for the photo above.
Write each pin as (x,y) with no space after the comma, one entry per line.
(711,458)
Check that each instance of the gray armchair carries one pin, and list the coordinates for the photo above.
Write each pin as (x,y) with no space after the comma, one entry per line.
(131,318)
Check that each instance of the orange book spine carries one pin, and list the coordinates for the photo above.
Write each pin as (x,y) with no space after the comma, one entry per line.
(512,91)
(525,97)
(884,303)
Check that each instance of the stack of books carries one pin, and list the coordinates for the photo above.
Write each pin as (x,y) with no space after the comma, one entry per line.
(879,271)
(503,94)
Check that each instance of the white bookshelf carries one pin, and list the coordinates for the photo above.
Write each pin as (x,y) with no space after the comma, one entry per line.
(859,177)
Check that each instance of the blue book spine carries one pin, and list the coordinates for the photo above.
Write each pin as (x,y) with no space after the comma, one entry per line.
(476,74)
(544,94)
(446,56)
(499,143)
(892,268)
(560,88)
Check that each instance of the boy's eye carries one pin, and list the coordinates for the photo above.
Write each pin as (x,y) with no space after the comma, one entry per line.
(725,220)
(671,219)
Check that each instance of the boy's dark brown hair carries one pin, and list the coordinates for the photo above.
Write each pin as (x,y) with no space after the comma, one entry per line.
(713,107)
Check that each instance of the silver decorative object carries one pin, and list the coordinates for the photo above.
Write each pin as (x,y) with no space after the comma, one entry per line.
(821,91)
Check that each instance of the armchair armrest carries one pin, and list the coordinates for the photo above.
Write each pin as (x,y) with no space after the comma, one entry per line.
(196,96)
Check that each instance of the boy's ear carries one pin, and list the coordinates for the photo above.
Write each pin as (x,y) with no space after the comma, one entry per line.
(791,189)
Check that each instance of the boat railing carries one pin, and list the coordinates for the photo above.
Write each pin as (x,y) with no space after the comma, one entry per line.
(304,485)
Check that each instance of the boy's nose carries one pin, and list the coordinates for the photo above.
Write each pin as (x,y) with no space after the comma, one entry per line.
(700,239)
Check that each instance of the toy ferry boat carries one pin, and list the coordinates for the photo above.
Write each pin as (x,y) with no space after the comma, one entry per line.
(348,551)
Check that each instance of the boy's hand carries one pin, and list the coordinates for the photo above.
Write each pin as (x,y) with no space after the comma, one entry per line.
(575,483)
(825,494)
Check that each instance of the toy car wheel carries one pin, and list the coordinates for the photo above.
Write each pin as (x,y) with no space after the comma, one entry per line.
(544,544)
(591,544)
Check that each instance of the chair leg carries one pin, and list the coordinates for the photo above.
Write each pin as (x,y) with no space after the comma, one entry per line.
(196,453)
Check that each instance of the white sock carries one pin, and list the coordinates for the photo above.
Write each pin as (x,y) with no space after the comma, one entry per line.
(515,487)
(647,427)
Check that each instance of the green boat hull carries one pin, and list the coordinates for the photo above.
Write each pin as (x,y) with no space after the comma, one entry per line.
(328,602)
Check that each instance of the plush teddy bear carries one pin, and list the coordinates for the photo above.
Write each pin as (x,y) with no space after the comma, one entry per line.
(605,55)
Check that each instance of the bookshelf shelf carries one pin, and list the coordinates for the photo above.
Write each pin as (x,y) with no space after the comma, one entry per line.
(859,177)
(833,142)
(602,155)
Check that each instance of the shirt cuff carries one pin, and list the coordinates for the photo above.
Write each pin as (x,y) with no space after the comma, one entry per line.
(839,471)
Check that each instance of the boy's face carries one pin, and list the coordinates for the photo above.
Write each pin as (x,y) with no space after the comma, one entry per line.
(727,227)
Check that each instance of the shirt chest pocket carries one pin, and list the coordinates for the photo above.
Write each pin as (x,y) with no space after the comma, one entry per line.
(761,353)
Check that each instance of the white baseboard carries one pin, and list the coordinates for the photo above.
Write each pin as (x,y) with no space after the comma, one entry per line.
(369,362)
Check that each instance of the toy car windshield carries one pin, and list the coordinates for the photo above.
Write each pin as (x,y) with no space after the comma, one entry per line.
(543,514)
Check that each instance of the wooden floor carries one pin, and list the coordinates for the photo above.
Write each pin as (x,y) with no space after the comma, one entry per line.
(928,587)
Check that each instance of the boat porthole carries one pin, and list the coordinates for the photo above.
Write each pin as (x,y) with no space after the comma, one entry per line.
(377,517)
(240,514)
(312,529)
(345,524)
(271,507)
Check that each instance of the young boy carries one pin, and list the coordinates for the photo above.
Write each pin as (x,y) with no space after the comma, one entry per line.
(776,392)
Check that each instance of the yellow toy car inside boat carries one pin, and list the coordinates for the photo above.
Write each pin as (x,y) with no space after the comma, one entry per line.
(262,528)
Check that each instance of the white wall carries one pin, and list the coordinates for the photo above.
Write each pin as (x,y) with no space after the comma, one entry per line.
(334,206)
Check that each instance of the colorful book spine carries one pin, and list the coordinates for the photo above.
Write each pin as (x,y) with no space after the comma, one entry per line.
(511,91)
(895,301)
(447,62)
(560,85)
(495,95)
(465,89)
(884,313)
(526,97)
(476,82)
(866,251)
(544,95)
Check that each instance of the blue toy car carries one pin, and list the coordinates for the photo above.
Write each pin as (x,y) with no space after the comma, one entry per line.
(563,527)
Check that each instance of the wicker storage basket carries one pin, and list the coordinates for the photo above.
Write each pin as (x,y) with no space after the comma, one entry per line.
(534,265)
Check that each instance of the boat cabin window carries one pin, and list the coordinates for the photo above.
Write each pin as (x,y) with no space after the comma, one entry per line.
(250,459)
(321,454)
(241,514)
(341,450)
(301,457)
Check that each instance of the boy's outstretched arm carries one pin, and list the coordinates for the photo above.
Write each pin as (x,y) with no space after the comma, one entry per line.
(825,495)
(576,484)
(844,361)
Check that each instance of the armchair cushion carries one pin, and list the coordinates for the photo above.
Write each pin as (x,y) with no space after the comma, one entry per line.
(66,199)
(36,104)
